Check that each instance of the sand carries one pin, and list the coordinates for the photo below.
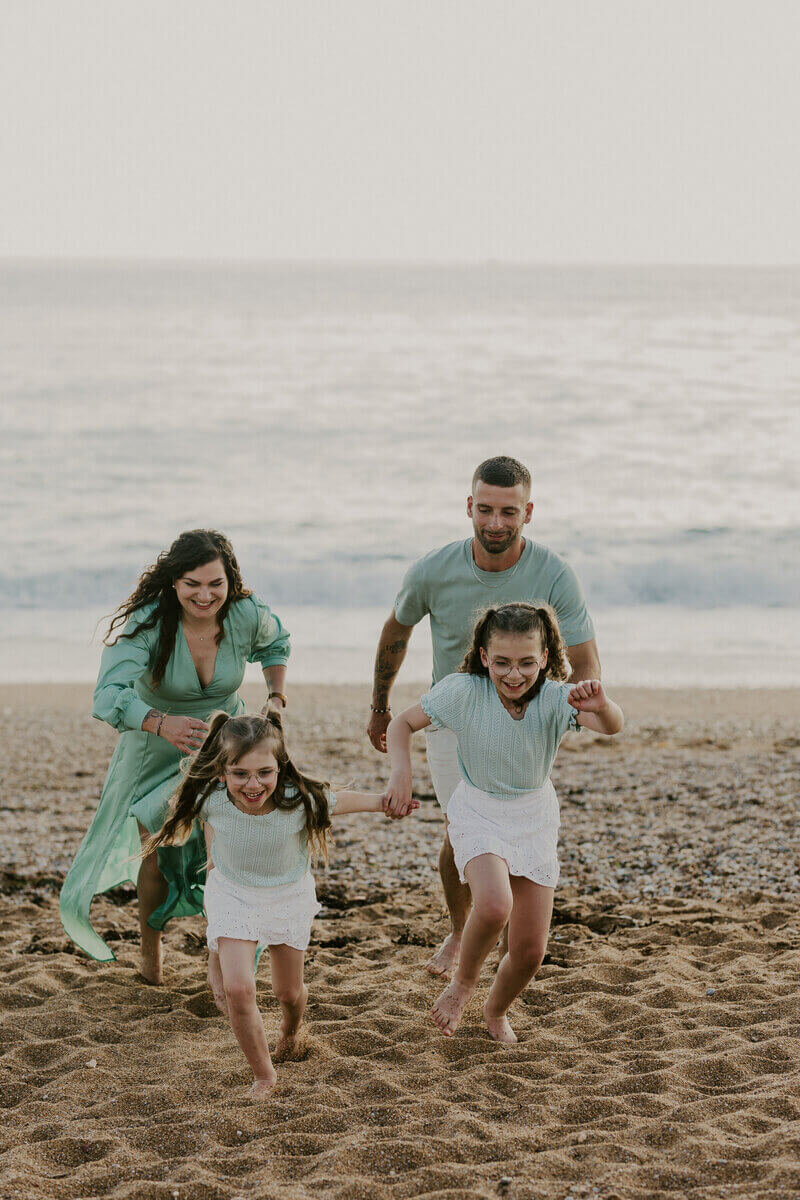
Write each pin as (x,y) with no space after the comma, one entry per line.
(659,1051)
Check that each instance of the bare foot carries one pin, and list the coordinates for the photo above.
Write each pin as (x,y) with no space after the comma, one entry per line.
(215,982)
(499,1028)
(261,1088)
(289,1044)
(445,959)
(449,1008)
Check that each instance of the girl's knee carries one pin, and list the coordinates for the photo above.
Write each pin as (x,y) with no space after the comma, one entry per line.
(289,993)
(240,992)
(494,909)
(528,957)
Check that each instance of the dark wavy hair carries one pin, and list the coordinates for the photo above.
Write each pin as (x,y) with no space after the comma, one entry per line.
(191,549)
(228,740)
(520,617)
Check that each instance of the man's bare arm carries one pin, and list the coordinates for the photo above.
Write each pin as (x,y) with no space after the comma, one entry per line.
(392,647)
(584,660)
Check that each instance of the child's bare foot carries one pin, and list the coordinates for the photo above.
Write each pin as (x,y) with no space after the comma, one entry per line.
(449,1008)
(289,1044)
(499,1028)
(215,982)
(445,959)
(261,1088)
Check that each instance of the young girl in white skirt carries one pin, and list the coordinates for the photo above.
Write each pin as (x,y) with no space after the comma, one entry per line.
(263,821)
(509,711)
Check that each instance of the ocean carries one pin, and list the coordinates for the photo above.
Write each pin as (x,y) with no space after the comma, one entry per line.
(328,418)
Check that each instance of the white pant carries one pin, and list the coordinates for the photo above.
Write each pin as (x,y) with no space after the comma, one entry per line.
(441,747)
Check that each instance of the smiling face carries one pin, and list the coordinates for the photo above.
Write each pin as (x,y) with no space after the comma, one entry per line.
(514,661)
(499,515)
(203,590)
(252,779)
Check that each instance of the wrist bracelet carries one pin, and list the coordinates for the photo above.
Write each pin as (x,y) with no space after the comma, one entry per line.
(277,696)
(160,723)
(380,710)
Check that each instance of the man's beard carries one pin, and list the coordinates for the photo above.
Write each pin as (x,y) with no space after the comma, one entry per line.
(499,546)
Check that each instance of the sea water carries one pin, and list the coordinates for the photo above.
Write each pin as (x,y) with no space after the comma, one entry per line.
(329,418)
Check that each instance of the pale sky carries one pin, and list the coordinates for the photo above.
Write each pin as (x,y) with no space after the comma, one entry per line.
(564,131)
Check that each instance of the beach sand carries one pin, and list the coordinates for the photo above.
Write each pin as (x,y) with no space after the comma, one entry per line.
(659,1051)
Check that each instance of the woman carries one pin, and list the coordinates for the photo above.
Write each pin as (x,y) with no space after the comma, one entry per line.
(190,627)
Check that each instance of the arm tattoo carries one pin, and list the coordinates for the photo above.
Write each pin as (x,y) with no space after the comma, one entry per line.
(386,669)
(154,712)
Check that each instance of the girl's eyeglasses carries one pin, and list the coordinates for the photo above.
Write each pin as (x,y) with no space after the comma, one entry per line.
(245,776)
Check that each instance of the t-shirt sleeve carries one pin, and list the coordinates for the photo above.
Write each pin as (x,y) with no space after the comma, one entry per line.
(449,702)
(270,641)
(411,603)
(566,597)
(331,800)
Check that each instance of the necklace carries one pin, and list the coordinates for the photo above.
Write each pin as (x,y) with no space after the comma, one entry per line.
(508,577)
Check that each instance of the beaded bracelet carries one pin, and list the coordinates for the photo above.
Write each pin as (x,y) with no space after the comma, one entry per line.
(160,723)
(380,710)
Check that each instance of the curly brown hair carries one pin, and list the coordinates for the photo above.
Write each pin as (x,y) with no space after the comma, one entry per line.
(520,617)
(228,740)
(191,549)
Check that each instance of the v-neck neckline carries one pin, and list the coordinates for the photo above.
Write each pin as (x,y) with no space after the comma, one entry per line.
(203,687)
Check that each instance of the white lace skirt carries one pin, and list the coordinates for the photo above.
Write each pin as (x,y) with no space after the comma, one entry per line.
(523,831)
(272,916)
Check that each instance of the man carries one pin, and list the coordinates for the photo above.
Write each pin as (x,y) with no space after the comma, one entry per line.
(497,565)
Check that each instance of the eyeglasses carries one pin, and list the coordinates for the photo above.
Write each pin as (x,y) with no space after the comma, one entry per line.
(525,669)
(245,776)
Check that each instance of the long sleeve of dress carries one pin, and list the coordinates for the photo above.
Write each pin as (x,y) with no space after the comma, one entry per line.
(115,700)
(270,645)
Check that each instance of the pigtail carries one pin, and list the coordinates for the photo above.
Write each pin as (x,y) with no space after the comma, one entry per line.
(472,664)
(200,779)
(558,664)
(313,794)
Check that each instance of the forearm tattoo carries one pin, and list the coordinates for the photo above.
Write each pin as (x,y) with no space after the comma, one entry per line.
(387,664)
(153,713)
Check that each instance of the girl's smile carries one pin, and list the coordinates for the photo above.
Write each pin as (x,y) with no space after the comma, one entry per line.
(252,779)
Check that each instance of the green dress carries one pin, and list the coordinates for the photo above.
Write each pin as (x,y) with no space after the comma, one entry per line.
(145,769)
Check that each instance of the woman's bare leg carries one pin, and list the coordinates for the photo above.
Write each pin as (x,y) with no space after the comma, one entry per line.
(291,993)
(528,929)
(151,890)
(487,876)
(236,959)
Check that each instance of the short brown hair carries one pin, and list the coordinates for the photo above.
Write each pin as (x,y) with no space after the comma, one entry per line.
(503,471)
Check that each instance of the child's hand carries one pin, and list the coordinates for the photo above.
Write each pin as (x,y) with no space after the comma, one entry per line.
(588,696)
(397,797)
(398,816)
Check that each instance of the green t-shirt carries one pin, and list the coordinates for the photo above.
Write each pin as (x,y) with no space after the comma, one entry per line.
(447,585)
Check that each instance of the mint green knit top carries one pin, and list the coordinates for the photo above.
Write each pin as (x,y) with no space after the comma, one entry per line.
(497,754)
(258,850)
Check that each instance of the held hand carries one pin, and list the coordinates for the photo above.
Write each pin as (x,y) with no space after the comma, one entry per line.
(588,696)
(186,734)
(397,801)
(397,816)
(376,729)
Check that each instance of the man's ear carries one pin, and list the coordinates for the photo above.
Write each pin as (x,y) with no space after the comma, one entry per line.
(469,506)
(528,513)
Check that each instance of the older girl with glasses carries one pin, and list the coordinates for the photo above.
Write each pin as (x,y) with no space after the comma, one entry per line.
(509,708)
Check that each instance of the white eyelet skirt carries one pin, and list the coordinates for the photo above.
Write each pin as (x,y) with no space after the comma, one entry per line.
(272,916)
(523,831)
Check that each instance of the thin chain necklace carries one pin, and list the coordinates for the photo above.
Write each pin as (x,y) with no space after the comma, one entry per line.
(508,577)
